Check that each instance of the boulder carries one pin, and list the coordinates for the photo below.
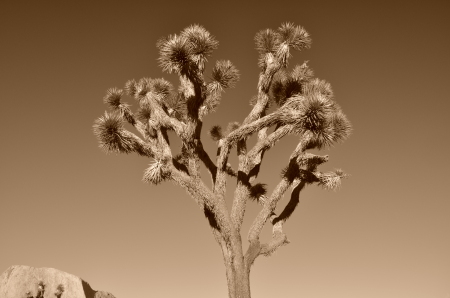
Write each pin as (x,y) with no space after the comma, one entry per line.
(30,282)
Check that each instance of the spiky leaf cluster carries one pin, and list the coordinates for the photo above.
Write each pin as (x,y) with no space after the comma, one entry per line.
(317,114)
(266,41)
(340,125)
(257,191)
(131,87)
(216,133)
(286,85)
(225,74)
(155,173)
(331,180)
(315,110)
(321,115)
(158,89)
(291,36)
(201,42)
(144,113)
(302,73)
(187,52)
(318,86)
(143,87)
(294,36)
(306,112)
(113,100)
(176,105)
(277,44)
(111,134)
(175,55)
(332,127)
(283,88)
(161,88)
(213,96)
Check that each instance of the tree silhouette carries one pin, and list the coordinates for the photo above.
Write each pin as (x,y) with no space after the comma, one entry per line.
(288,102)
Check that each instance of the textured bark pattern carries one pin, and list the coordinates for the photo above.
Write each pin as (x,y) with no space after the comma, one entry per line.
(238,277)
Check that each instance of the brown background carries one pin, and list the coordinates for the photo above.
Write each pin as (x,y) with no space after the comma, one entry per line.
(65,204)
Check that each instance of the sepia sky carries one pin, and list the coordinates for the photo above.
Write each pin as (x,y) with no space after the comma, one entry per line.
(67,205)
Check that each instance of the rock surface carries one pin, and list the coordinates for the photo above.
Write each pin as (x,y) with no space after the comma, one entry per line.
(30,282)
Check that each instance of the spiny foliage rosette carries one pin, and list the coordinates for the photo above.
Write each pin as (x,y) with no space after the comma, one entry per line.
(288,102)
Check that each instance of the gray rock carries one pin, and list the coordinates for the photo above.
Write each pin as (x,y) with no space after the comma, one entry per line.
(24,281)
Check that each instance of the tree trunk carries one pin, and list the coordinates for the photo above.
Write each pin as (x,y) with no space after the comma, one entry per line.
(238,279)
(238,274)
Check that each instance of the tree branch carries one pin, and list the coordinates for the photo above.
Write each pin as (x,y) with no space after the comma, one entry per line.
(163,142)
(204,198)
(291,205)
(209,164)
(113,137)
(279,239)
(299,172)
(163,119)
(241,192)
(255,154)
(267,210)
(290,174)
(250,126)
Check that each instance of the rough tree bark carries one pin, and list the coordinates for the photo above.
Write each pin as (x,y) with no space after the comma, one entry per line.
(287,102)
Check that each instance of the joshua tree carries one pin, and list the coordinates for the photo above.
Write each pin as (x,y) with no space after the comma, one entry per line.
(288,102)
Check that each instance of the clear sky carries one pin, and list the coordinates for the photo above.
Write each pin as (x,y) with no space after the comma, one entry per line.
(65,204)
